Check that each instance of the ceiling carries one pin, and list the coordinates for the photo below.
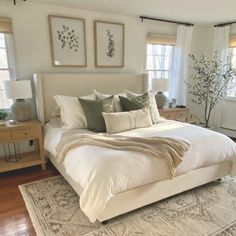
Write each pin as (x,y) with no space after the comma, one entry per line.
(201,12)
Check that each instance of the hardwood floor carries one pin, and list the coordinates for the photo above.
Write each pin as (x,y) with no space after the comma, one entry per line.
(234,139)
(14,217)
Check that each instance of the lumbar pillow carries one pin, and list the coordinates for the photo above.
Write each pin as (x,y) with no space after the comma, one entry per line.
(93,112)
(122,121)
(72,114)
(152,104)
(134,103)
(117,104)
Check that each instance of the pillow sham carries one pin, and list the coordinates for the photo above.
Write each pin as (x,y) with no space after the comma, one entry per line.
(93,112)
(72,114)
(117,104)
(134,103)
(123,121)
(152,104)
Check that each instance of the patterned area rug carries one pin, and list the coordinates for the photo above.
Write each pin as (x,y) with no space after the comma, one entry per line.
(208,210)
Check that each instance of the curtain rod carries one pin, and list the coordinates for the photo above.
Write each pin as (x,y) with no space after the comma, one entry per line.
(164,20)
(224,24)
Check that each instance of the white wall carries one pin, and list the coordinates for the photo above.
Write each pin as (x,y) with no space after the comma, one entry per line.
(32,44)
(202,44)
(31,33)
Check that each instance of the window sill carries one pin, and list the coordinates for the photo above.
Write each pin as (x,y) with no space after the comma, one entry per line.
(230,99)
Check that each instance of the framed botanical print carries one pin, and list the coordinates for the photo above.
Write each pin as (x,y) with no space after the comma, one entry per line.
(68,43)
(109,44)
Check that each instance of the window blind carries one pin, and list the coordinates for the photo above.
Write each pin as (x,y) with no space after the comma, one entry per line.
(154,38)
(232,41)
(5,25)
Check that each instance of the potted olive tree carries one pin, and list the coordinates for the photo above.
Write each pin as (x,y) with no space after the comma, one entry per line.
(210,81)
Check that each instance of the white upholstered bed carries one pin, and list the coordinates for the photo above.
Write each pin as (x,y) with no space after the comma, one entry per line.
(49,84)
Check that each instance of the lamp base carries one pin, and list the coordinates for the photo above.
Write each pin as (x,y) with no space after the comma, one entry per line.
(21,110)
(161,100)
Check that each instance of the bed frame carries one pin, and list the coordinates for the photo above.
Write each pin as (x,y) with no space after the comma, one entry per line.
(48,84)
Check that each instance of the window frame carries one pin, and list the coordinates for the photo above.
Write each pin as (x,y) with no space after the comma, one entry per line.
(231,55)
(10,70)
(162,70)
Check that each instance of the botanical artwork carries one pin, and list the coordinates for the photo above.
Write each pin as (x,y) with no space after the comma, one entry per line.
(68,41)
(109,44)
(68,38)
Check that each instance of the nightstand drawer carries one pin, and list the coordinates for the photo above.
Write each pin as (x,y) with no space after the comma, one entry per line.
(179,114)
(168,116)
(5,137)
(24,134)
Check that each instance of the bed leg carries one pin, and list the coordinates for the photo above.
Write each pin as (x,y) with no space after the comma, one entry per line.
(104,222)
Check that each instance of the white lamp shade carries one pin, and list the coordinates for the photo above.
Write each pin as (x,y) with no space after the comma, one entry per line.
(20,89)
(160,85)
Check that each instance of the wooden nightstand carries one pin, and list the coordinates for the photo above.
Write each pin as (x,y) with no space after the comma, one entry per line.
(31,130)
(179,114)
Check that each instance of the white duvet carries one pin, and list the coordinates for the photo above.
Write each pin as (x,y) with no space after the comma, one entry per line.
(103,173)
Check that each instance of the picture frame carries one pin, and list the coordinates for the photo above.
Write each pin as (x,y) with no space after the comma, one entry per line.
(109,44)
(68,41)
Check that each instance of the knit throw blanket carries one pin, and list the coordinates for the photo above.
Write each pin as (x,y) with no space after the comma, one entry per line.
(169,149)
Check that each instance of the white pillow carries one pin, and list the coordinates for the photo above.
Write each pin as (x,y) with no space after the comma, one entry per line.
(152,104)
(122,121)
(72,114)
(117,105)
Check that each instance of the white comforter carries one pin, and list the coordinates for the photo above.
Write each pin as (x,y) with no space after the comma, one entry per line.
(102,172)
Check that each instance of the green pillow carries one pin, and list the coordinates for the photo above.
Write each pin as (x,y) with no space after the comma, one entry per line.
(136,103)
(93,112)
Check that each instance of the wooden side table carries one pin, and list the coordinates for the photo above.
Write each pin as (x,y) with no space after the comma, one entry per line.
(178,114)
(31,130)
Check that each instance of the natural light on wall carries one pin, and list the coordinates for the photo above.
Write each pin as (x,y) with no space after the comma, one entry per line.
(7,67)
(232,54)
(160,53)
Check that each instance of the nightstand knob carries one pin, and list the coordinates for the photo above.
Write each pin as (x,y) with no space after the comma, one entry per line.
(26,133)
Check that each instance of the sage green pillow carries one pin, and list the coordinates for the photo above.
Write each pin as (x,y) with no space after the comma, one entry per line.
(136,103)
(93,112)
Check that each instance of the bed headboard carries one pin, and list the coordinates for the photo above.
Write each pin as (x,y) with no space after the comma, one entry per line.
(46,85)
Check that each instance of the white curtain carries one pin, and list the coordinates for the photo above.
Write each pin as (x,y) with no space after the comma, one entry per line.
(221,41)
(179,79)
(11,56)
(220,44)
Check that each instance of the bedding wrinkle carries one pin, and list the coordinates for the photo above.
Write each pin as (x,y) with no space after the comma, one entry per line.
(169,149)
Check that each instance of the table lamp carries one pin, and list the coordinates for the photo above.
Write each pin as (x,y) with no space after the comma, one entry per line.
(19,90)
(160,85)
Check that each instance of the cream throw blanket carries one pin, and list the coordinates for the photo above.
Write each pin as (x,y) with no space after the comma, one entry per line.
(169,149)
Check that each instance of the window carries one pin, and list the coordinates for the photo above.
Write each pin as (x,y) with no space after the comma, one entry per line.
(160,53)
(232,52)
(159,61)
(7,68)
(4,72)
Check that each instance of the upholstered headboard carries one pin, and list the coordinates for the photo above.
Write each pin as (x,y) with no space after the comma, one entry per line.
(46,85)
